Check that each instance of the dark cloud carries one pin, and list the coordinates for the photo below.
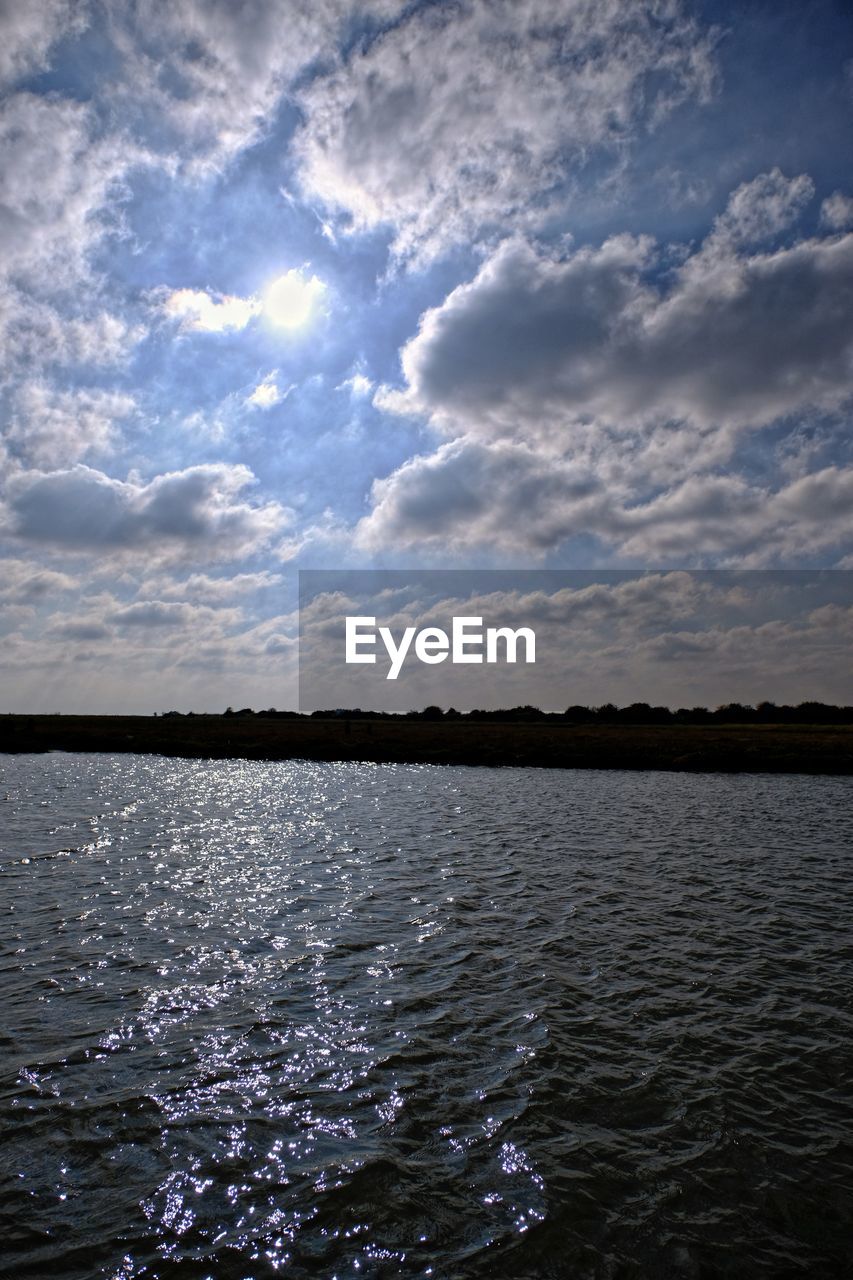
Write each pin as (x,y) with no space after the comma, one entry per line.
(198,508)
(536,341)
(600,392)
(85,630)
(506,495)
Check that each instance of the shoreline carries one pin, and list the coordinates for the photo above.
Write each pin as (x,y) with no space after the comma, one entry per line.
(771,748)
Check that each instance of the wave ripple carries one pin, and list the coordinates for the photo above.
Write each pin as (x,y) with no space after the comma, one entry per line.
(390,1021)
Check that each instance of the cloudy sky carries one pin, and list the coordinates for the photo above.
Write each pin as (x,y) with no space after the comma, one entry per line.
(445,283)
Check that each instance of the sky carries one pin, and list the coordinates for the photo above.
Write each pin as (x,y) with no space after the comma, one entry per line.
(529,284)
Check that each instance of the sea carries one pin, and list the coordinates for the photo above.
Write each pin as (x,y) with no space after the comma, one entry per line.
(300,1019)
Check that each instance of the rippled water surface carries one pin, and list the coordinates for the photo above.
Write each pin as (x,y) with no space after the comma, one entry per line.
(351,1020)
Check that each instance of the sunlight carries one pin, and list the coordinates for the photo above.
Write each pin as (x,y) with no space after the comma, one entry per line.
(291,300)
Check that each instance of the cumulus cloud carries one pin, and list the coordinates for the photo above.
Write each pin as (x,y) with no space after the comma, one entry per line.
(507,496)
(604,391)
(465,116)
(537,340)
(725,516)
(53,427)
(290,302)
(196,512)
(359,386)
(516,500)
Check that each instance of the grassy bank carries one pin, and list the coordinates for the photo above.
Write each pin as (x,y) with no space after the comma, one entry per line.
(731,748)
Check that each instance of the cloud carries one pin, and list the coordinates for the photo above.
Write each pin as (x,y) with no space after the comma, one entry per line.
(194,513)
(603,391)
(517,501)
(203,312)
(507,496)
(724,515)
(60,179)
(359,386)
(537,341)
(289,302)
(837,211)
(206,77)
(23,582)
(673,637)
(63,180)
(68,628)
(29,30)
(34,334)
(267,393)
(171,614)
(202,588)
(53,427)
(467,116)
(760,209)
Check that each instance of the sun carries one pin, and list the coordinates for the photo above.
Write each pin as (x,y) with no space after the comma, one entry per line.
(292,300)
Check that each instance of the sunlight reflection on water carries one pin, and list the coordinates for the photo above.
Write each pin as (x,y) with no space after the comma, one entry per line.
(363,1020)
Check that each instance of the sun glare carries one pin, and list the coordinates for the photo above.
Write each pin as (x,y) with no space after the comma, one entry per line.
(291,301)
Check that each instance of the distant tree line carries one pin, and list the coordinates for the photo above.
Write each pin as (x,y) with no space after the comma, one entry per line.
(634,714)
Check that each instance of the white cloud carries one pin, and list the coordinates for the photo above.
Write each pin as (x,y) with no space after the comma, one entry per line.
(289,302)
(59,182)
(29,29)
(206,77)
(204,312)
(267,393)
(359,386)
(669,637)
(26,582)
(461,117)
(759,210)
(837,211)
(51,427)
(203,589)
(34,334)
(506,496)
(62,184)
(171,614)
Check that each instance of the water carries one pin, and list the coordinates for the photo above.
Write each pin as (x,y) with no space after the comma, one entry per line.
(349,1020)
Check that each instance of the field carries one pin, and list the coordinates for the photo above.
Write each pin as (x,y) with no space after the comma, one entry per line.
(554,744)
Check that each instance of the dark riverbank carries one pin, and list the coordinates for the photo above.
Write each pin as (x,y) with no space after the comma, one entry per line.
(767,748)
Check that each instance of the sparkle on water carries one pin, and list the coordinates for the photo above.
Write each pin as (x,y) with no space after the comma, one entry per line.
(351,1020)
